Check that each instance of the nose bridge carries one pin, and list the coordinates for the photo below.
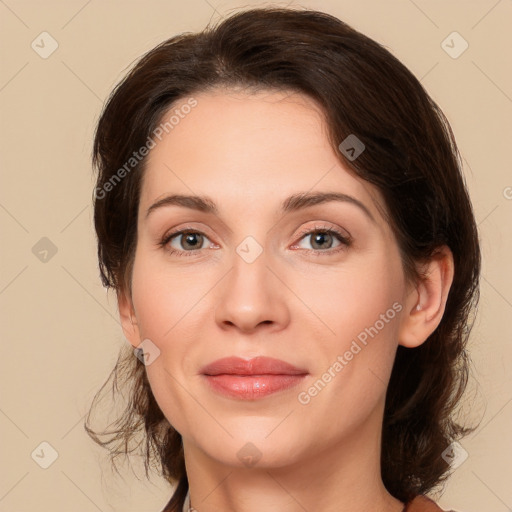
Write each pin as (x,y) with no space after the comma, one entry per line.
(250,275)
(251,294)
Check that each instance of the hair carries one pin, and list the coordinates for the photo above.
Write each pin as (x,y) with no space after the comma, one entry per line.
(410,156)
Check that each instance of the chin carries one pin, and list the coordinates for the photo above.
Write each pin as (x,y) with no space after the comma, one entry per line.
(251,448)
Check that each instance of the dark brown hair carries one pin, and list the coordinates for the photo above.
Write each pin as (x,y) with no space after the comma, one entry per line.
(410,155)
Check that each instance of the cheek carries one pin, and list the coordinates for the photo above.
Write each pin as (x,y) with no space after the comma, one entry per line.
(355,347)
(164,304)
(163,298)
(349,299)
(356,339)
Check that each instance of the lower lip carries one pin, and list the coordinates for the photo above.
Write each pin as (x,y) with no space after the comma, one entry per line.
(252,387)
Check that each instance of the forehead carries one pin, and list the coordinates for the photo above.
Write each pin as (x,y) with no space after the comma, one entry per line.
(248,150)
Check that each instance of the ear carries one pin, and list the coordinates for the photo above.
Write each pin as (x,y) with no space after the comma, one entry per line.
(425,303)
(128,319)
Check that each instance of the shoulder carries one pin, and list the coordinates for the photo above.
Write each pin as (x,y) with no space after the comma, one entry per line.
(422,503)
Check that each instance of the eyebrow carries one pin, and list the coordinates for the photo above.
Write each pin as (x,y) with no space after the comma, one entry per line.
(293,203)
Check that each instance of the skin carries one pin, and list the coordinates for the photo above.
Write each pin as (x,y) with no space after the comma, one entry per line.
(248,152)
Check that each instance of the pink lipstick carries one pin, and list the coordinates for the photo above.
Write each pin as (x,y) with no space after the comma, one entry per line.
(251,379)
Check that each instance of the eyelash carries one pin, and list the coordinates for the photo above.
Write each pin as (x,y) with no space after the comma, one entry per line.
(345,241)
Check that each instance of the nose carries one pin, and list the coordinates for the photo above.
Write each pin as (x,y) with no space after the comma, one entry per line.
(252,296)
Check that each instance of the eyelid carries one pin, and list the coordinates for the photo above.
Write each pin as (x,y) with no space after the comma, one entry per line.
(186,227)
(326,226)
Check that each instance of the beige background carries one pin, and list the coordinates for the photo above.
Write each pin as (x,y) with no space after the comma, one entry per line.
(60,331)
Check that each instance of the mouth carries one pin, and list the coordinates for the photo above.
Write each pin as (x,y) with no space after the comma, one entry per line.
(251,379)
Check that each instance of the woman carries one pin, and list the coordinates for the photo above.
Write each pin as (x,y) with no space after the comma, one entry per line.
(273,373)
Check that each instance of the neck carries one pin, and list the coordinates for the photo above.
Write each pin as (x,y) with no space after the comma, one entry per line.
(341,478)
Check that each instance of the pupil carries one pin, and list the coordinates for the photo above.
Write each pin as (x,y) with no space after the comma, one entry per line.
(318,239)
(189,237)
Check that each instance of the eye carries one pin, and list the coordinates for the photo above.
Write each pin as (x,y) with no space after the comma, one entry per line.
(322,239)
(190,240)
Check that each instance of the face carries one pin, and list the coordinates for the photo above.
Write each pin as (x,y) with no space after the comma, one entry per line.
(318,285)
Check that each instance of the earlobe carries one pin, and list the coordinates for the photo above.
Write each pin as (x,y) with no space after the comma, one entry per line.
(425,306)
(128,319)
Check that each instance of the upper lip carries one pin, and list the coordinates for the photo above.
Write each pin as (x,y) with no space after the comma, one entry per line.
(257,366)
